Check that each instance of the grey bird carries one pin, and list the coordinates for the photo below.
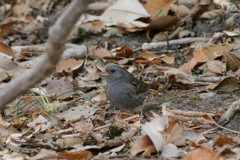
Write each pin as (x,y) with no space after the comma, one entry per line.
(123,90)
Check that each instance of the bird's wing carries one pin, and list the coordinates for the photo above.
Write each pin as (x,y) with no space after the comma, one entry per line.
(139,85)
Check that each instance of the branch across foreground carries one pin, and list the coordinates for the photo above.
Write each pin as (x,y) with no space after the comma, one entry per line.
(55,45)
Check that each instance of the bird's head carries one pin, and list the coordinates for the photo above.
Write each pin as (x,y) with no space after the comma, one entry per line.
(116,73)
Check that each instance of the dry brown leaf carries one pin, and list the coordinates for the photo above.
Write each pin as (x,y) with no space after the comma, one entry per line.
(77,113)
(198,138)
(7,131)
(203,153)
(69,64)
(3,75)
(6,49)
(216,66)
(162,23)
(21,9)
(124,14)
(163,132)
(145,144)
(222,140)
(93,72)
(179,76)
(147,58)
(42,5)
(228,84)
(40,124)
(124,51)
(175,133)
(7,64)
(61,88)
(186,33)
(5,28)
(101,97)
(180,10)
(167,59)
(82,155)
(101,53)
(204,52)
(171,151)
(95,26)
(45,154)
(154,130)
(83,127)
(69,142)
(233,61)
(213,13)
(153,6)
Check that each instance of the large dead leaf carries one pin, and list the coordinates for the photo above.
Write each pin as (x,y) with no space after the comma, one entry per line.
(154,6)
(124,51)
(124,14)
(203,153)
(179,76)
(180,10)
(21,9)
(70,65)
(69,141)
(7,64)
(6,49)
(7,131)
(233,61)
(77,113)
(228,84)
(216,66)
(45,154)
(161,132)
(143,144)
(93,72)
(40,124)
(101,53)
(61,88)
(5,28)
(85,154)
(162,23)
(204,52)
(213,13)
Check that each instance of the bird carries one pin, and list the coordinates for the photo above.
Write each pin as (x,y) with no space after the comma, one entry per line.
(123,90)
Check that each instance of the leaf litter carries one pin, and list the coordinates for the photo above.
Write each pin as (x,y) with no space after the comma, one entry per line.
(68,115)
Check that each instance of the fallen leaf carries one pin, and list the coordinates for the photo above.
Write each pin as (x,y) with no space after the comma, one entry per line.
(82,155)
(143,144)
(101,53)
(40,124)
(180,10)
(21,9)
(7,64)
(61,88)
(204,52)
(228,84)
(154,6)
(212,14)
(170,151)
(124,14)
(203,153)
(124,51)
(216,66)
(6,49)
(77,113)
(154,130)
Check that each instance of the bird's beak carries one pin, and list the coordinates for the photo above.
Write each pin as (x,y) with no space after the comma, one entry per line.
(104,74)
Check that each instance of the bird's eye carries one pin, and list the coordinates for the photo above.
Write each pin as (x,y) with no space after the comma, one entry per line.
(112,70)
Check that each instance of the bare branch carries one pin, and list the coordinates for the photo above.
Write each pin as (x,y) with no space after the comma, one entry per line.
(55,46)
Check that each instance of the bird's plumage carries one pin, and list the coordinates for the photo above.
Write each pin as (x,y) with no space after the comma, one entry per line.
(123,90)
